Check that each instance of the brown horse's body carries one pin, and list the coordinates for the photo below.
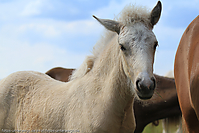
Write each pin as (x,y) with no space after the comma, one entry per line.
(155,109)
(186,72)
(60,73)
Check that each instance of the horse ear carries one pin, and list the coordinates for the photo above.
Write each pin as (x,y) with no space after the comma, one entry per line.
(155,13)
(110,24)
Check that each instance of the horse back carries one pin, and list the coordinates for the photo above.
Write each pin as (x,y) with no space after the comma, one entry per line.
(14,89)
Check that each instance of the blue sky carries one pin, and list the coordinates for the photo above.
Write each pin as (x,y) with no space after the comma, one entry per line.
(41,34)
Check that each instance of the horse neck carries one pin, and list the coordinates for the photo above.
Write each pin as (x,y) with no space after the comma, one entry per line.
(108,59)
(166,88)
(109,71)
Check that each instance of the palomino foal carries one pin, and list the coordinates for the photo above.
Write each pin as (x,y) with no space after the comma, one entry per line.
(94,101)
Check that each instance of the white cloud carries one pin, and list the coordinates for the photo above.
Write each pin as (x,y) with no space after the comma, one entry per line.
(84,27)
(108,11)
(32,8)
(46,29)
(114,7)
(55,28)
(10,10)
(38,57)
(20,53)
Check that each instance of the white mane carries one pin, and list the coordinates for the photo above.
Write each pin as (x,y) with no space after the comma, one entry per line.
(128,16)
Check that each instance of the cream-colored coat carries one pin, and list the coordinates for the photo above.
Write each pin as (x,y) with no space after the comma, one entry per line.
(93,103)
(96,100)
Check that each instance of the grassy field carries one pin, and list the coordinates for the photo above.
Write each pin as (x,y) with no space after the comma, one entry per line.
(158,129)
(153,129)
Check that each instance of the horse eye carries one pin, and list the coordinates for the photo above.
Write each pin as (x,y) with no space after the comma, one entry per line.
(155,45)
(122,47)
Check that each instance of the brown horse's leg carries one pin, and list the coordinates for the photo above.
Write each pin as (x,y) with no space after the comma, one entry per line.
(188,113)
(190,121)
(194,90)
(184,127)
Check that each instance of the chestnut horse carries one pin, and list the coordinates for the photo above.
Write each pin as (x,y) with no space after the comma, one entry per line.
(145,112)
(186,73)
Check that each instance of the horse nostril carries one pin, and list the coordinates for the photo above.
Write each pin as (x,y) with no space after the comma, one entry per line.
(142,85)
(145,87)
(138,84)
(153,79)
(153,85)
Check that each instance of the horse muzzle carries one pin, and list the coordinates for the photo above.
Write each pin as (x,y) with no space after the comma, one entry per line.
(145,87)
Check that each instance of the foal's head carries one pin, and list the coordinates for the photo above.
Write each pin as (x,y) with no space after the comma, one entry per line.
(137,44)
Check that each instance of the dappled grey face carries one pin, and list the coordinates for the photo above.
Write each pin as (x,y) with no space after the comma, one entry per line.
(138,44)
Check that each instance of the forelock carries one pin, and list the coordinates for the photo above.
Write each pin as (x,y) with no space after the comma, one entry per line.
(132,14)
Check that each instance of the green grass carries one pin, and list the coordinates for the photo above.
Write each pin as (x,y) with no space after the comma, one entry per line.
(153,129)
(158,129)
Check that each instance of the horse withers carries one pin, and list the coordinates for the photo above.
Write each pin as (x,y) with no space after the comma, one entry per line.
(186,72)
(98,100)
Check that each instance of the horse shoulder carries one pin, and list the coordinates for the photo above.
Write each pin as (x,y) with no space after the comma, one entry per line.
(185,56)
(181,73)
(193,63)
